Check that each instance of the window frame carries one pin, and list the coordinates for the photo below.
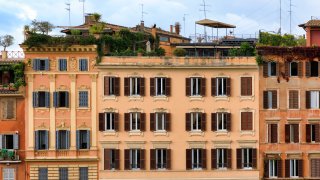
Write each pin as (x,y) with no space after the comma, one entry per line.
(294,173)
(59,65)
(112,123)
(299,100)
(273,168)
(9,171)
(63,173)
(137,121)
(134,85)
(60,139)
(197,86)
(270,67)
(163,120)
(245,152)
(317,98)
(224,86)
(198,164)
(224,160)
(162,86)
(86,173)
(163,158)
(136,158)
(79,64)
(290,69)
(198,122)
(4,102)
(224,120)
(253,120)
(57,101)
(41,173)
(82,139)
(43,135)
(88,99)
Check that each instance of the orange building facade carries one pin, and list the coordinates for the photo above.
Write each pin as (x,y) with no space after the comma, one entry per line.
(60,112)
(184,118)
(12,121)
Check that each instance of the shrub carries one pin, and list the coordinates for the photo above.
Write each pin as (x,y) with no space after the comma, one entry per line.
(179,52)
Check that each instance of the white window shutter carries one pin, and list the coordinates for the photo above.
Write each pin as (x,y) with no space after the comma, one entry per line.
(1,141)
(16,141)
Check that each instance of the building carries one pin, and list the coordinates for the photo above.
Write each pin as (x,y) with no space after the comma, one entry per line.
(12,118)
(289,110)
(60,112)
(188,118)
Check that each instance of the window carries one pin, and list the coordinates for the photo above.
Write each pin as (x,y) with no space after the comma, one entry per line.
(111,159)
(315,167)
(62,139)
(273,168)
(134,86)
(61,99)
(312,99)
(246,86)
(160,86)
(196,158)
(111,86)
(314,69)
(246,158)
(221,158)
(312,133)
(63,173)
(63,65)
(164,39)
(161,158)
(294,168)
(108,121)
(41,140)
(83,65)
(221,121)
(292,133)
(270,100)
(135,121)
(41,99)
(272,69)
(293,69)
(83,139)
(9,141)
(246,121)
(83,173)
(8,174)
(110,124)
(43,173)
(272,133)
(220,86)
(159,121)
(195,121)
(83,99)
(293,99)
(40,64)
(135,157)
(8,108)
(195,86)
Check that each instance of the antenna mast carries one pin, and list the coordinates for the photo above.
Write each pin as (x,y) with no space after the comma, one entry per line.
(83,1)
(280,17)
(204,5)
(68,9)
(142,12)
(290,11)
(184,23)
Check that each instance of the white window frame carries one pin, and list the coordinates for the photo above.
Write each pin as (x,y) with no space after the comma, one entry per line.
(163,159)
(162,86)
(197,119)
(196,159)
(293,166)
(111,119)
(247,160)
(224,86)
(9,173)
(135,119)
(224,153)
(134,153)
(223,121)
(273,168)
(269,99)
(112,80)
(133,85)
(291,135)
(311,132)
(314,100)
(198,88)
(161,118)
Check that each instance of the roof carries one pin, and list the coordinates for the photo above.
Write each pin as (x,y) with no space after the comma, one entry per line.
(214,24)
(311,23)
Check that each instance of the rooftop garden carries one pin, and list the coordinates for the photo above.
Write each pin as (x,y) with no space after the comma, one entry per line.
(12,76)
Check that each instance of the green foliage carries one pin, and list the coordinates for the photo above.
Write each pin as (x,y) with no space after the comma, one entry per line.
(179,52)
(245,50)
(96,28)
(96,17)
(75,32)
(259,59)
(41,26)
(18,70)
(301,41)
(160,51)
(268,39)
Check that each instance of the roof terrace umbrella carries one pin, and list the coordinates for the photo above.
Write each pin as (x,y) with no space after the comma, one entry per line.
(215,24)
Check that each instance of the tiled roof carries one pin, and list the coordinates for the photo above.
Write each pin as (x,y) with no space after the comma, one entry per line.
(311,23)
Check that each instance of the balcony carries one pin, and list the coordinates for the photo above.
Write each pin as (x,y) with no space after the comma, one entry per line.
(9,156)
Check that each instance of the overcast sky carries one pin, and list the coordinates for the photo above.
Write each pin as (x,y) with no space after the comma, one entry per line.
(248,15)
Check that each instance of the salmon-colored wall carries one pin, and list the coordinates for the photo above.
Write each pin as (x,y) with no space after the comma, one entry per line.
(178,104)
(313,36)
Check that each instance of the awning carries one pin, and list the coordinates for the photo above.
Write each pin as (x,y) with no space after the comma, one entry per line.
(214,24)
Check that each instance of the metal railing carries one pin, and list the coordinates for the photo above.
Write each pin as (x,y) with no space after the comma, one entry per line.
(201,38)
(12,55)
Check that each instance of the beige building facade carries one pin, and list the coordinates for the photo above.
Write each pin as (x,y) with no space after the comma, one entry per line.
(182,118)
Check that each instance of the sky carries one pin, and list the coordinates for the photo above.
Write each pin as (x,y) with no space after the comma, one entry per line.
(249,16)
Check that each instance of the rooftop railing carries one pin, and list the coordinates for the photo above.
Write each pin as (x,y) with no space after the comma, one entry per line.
(12,55)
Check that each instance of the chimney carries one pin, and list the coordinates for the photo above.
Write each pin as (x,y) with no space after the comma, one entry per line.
(154,31)
(142,26)
(177,27)
(89,19)
(171,28)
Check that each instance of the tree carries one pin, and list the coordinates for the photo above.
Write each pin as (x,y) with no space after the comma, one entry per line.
(6,41)
(41,26)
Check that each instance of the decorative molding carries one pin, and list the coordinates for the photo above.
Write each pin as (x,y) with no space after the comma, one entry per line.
(196,133)
(161,144)
(62,126)
(160,133)
(110,98)
(42,127)
(222,144)
(135,133)
(110,133)
(160,98)
(63,88)
(222,98)
(135,98)
(196,98)
(94,77)
(294,120)
(223,110)
(196,75)
(110,144)
(73,77)
(247,143)
(313,120)
(313,154)
(52,77)
(197,144)
(84,126)
(222,133)
(196,110)
(294,154)
(111,110)
(135,110)
(135,144)
(161,110)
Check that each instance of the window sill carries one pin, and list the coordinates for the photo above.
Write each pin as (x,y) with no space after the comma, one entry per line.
(62,109)
(196,133)
(135,98)
(247,169)
(160,98)
(110,98)
(110,133)
(247,98)
(160,133)
(42,109)
(196,98)
(197,169)
(222,169)
(222,98)
(14,119)
(135,133)
(83,108)
(244,133)
(222,133)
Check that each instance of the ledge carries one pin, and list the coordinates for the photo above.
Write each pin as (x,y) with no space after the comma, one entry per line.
(110,133)
(222,133)
(135,133)
(196,133)
(160,98)
(222,98)
(110,98)
(196,98)
(135,98)
(161,133)
(247,98)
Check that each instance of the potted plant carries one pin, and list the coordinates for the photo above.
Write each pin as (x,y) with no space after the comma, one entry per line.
(5,87)
(140,52)
(3,154)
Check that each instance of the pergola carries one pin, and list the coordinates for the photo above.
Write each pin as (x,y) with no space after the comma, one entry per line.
(215,25)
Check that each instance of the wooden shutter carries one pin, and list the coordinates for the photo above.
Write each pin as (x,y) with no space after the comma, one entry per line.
(213,121)
(188,159)
(106,85)
(152,121)
(246,121)
(308,101)
(229,158)
(68,139)
(188,86)
(116,86)
(287,133)
(152,159)
(254,158)
(296,133)
(142,159)
(274,100)
(127,86)
(127,159)
(204,158)
(293,99)
(213,87)
(168,158)
(300,168)
(46,135)
(278,69)
(102,122)
(36,140)
(188,121)
(168,86)
(10,109)
(203,121)
(47,99)
(213,158)
(228,87)
(16,141)
(203,86)
(265,69)
(168,121)
(317,129)
(1,141)
(308,133)
(143,122)
(280,174)
(266,168)
(265,100)
(107,159)
(246,86)
(47,64)
(308,69)
(55,99)
(127,121)
(239,158)
(142,86)
(286,68)
(274,133)
(57,140)
(152,86)
(228,121)
(287,168)
(300,69)
(116,121)
(117,158)
(78,139)
(35,97)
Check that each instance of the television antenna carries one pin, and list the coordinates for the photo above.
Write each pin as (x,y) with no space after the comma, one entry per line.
(68,9)
(280,17)
(142,12)
(290,12)
(83,1)
(184,23)
(205,10)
